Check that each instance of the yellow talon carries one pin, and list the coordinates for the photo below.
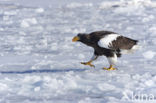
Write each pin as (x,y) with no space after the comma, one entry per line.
(110,68)
(88,63)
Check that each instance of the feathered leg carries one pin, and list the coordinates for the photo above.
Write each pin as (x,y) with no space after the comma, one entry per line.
(112,61)
(94,57)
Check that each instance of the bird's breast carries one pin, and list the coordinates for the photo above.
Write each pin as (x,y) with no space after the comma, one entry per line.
(103,51)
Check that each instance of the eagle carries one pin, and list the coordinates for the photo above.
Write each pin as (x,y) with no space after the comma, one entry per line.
(107,43)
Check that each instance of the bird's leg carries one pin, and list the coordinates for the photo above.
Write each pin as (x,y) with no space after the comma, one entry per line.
(110,68)
(112,60)
(89,62)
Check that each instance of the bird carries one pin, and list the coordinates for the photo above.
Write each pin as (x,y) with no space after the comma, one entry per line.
(107,43)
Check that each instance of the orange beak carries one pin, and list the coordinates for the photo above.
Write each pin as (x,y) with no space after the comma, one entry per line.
(76,38)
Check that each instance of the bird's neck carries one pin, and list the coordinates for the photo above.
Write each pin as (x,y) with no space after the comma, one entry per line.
(87,41)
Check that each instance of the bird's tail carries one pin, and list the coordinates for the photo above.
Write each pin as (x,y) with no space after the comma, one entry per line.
(132,50)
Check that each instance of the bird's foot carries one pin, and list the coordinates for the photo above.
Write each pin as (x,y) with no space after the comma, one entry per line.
(109,69)
(88,63)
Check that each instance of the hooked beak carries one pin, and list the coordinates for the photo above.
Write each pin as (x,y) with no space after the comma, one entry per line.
(76,38)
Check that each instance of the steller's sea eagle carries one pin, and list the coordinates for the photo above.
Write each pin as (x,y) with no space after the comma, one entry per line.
(107,43)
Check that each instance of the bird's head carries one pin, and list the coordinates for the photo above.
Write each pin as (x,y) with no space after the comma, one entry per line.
(79,37)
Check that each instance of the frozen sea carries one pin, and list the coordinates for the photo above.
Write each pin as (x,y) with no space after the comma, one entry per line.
(39,63)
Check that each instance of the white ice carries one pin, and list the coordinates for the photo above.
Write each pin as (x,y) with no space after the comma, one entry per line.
(39,63)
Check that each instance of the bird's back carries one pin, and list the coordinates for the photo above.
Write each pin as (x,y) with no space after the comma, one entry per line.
(111,41)
(97,35)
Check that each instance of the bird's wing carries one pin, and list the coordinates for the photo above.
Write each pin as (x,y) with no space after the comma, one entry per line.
(107,41)
(116,41)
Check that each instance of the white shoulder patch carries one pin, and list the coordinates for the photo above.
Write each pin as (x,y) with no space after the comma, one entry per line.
(106,41)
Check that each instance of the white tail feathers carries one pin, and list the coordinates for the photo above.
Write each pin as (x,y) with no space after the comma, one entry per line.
(132,50)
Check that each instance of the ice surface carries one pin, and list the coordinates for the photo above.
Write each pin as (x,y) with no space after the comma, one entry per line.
(39,10)
(149,54)
(39,63)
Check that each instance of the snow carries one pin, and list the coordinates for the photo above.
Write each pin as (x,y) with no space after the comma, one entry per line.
(27,22)
(75,5)
(39,10)
(149,54)
(39,63)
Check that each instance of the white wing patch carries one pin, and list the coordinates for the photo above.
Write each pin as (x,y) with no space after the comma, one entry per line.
(106,41)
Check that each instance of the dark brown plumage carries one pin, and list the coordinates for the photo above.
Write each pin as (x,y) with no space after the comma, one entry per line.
(107,43)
